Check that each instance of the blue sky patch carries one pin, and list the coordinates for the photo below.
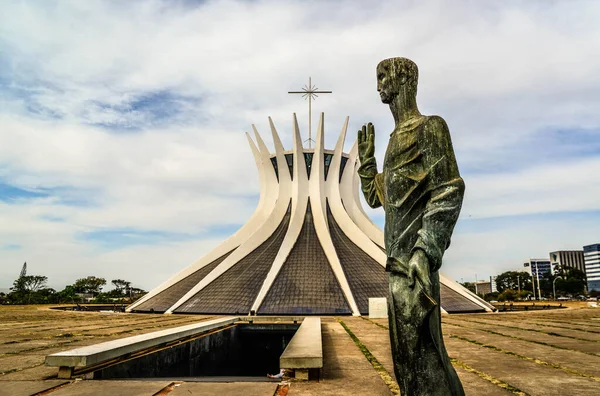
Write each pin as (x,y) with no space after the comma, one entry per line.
(118,238)
(547,146)
(11,246)
(121,237)
(67,196)
(475,225)
(11,193)
(144,110)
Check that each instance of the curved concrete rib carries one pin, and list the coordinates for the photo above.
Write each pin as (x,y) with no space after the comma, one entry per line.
(266,203)
(348,226)
(261,234)
(349,191)
(317,201)
(299,205)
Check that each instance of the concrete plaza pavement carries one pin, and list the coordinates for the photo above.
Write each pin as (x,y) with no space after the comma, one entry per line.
(545,353)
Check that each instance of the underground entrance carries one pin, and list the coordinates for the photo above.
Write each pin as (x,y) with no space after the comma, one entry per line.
(220,349)
(248,350)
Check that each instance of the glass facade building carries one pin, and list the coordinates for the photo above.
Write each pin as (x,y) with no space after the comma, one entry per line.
(591,255)
(535,266)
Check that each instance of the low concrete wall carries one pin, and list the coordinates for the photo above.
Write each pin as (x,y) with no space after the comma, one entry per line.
(305,350)
(95,354)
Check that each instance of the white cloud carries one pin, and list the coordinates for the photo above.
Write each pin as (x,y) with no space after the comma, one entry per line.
(560,187)
(504,76)
(490,248)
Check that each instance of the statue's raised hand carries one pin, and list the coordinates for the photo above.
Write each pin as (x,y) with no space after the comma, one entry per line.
(366,142)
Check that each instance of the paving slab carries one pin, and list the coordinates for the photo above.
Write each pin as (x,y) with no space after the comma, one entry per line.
(33,344)
(563,342)
(536,328)
(95,388)
(563,324)
(527,376)
(579,362)
(27,388)
(8,363)
(475,385)
(225,388)
(38,371)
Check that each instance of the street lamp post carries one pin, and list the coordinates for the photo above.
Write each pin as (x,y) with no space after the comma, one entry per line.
(554,286)
(533,283)
(537,275)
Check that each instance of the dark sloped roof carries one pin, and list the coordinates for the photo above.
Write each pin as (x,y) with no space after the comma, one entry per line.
(367,278)
(453,302)
(235,290)
(165,299)
(306,283)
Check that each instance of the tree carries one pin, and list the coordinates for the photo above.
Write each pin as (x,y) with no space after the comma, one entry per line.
(136,291)
(25,286)
(525,294)
(512,280)
(508,295)
(493,296)
(23,270)
(46,295)
(573,282)
(68,295)
(469,285)
(121,286)
(29,283)
(90,284)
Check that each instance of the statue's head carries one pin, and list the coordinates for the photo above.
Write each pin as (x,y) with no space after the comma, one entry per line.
(396,75)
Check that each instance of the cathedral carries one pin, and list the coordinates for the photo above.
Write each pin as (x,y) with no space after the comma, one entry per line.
(308,249)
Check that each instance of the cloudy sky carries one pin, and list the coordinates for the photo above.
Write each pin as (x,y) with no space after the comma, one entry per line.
(122,148)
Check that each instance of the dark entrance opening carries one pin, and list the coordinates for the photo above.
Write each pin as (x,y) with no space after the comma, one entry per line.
(248,350)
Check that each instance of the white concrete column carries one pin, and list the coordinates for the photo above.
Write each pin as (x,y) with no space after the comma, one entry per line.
(350,190)
(262,233)
(299,205)
(266,204)
(317,192)
(350,229)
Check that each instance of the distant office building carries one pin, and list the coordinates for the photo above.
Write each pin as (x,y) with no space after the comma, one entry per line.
(568,259)
(493,287)
(591,255)
(538,266)
(483,287)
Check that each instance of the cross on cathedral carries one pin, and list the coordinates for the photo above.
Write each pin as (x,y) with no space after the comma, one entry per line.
(309,91)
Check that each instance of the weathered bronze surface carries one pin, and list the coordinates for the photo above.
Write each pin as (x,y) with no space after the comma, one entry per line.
(421,192)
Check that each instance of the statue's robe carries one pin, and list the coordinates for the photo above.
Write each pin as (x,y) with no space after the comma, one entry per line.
(421,191)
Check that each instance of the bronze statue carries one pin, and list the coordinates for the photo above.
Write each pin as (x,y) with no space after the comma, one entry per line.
(421,192)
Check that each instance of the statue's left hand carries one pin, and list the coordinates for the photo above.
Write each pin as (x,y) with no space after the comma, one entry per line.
(418,270)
